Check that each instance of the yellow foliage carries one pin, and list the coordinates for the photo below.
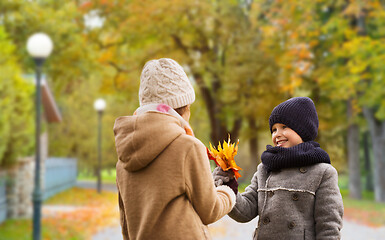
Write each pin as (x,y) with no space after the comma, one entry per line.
(353,9)
(224,156)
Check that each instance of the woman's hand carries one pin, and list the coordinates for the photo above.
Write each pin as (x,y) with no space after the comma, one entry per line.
(225,178)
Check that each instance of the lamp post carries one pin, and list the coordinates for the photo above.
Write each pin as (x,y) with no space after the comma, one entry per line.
(99,106)
(39,47)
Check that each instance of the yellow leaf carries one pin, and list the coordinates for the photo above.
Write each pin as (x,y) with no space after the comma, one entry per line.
(224,156)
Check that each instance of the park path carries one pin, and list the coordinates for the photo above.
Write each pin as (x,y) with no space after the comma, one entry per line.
(228,229)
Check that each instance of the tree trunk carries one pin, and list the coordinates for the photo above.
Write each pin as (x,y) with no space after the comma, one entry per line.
(253,143)
(378,140)
(219,130)
(368,169)
(353,155)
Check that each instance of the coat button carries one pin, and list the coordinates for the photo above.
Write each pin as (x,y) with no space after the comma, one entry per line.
(271,194)
(295,196)
(303,170)
(291,225)
(266,220)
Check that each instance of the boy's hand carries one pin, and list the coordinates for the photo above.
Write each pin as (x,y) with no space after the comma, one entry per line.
(225,178)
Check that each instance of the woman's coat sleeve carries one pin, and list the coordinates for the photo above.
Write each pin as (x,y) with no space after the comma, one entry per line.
(209,202)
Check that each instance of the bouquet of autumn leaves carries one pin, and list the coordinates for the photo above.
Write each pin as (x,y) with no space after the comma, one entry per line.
(224,156)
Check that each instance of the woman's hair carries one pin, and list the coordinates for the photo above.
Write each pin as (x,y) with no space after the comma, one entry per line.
(182,110)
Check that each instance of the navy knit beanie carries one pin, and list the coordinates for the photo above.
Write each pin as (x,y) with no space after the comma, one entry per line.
(299,114)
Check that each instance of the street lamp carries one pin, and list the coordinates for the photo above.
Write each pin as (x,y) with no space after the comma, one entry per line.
(39,47)
(99,106)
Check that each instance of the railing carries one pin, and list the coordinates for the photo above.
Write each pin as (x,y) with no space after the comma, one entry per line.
(3,198)
(60,174)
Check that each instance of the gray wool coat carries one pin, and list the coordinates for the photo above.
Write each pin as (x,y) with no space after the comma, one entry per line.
(295,203)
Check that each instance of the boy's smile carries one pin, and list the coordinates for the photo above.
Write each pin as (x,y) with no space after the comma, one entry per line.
(283,136)
(281,142)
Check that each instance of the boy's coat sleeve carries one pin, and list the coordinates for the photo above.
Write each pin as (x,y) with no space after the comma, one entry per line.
(246,207)
(328,209)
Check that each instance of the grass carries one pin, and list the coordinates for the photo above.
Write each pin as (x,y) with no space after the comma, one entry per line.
(22,230)
(108,176)
(365,211)
(242,186)
(93,212)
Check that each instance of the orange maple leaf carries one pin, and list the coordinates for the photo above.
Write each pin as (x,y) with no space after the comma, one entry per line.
(224,156)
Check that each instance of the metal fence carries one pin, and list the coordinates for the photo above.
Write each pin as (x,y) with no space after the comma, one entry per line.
(60,174)
(3,198)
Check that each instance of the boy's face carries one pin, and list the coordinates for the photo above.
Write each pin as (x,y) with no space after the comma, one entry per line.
(283,136)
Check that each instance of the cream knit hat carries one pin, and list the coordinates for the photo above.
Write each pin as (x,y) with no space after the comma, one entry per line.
(164,81)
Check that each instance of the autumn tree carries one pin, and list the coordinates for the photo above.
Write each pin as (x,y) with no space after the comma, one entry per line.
(343,38)
(357,64)
(218,42)
(16,107)
(293,35)
(73,70)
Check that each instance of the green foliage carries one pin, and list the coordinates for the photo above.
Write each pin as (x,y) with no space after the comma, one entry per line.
(77,134)
(70,60)
(12,229)
(16,106)
(75,72)
(108,176)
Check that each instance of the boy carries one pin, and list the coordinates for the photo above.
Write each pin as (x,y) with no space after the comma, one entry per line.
(295,189)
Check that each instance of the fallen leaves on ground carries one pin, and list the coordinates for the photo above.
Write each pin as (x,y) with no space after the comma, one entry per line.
(366,217)
(91,213)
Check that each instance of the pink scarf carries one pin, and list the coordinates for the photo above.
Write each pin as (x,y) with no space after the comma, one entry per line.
(163,108)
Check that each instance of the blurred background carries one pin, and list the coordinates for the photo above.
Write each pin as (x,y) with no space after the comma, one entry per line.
(244,57)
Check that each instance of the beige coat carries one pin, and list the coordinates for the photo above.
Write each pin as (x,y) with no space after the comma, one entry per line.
(296,203)
(165,186)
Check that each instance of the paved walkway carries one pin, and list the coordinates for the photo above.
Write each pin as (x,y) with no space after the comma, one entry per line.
(228,229)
